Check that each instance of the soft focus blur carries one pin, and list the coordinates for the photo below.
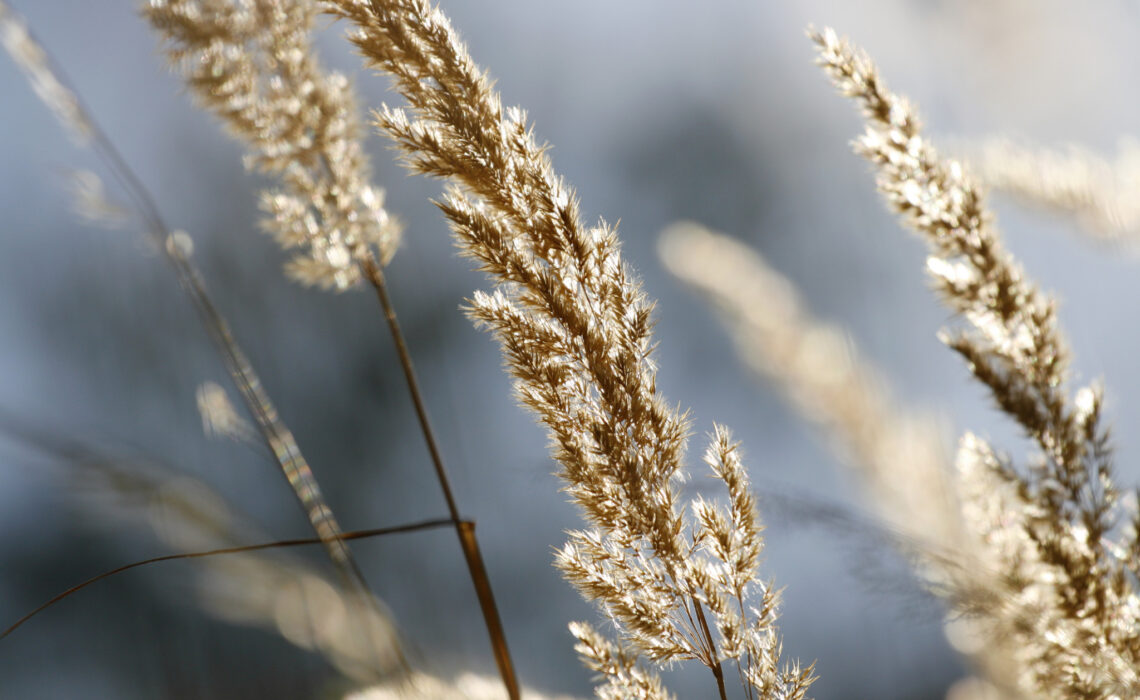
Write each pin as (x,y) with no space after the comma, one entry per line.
(655,112)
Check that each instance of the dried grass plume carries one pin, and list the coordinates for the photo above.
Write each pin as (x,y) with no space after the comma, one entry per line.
(575,329)
(1068,562)
(253,64)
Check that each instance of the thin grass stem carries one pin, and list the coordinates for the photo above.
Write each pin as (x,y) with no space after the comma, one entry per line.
(464,530)
(277,544)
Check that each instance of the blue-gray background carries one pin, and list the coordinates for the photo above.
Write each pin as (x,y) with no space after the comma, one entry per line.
(656,111)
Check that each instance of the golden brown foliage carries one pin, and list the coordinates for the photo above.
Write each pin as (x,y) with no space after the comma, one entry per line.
(899,453)
(253,64)
(575,330)
(1068,605)
(1098,191)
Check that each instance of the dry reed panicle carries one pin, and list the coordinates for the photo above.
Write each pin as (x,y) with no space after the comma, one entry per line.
(253,64)
(575,331)
(1068,608)
(899,452)
(1098,191)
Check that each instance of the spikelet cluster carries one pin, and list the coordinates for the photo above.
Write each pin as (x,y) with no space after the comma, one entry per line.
(575,329)
(1068,603)
(252,63)
(899,453)
(1100,192)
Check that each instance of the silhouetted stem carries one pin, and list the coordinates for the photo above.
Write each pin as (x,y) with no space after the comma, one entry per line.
(351,535)
(465,530)
(714,661)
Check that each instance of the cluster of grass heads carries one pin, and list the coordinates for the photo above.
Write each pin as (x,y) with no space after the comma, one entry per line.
(1037,564)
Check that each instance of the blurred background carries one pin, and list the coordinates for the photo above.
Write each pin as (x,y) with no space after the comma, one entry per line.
(655,112)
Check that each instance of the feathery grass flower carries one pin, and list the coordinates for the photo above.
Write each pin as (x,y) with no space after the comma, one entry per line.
(575,329)
(1069,608)
(253,64)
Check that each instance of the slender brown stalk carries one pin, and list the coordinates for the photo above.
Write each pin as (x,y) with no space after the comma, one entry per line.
(242,549)
(464,530)
(474,558)
(714,662)
(376,279)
